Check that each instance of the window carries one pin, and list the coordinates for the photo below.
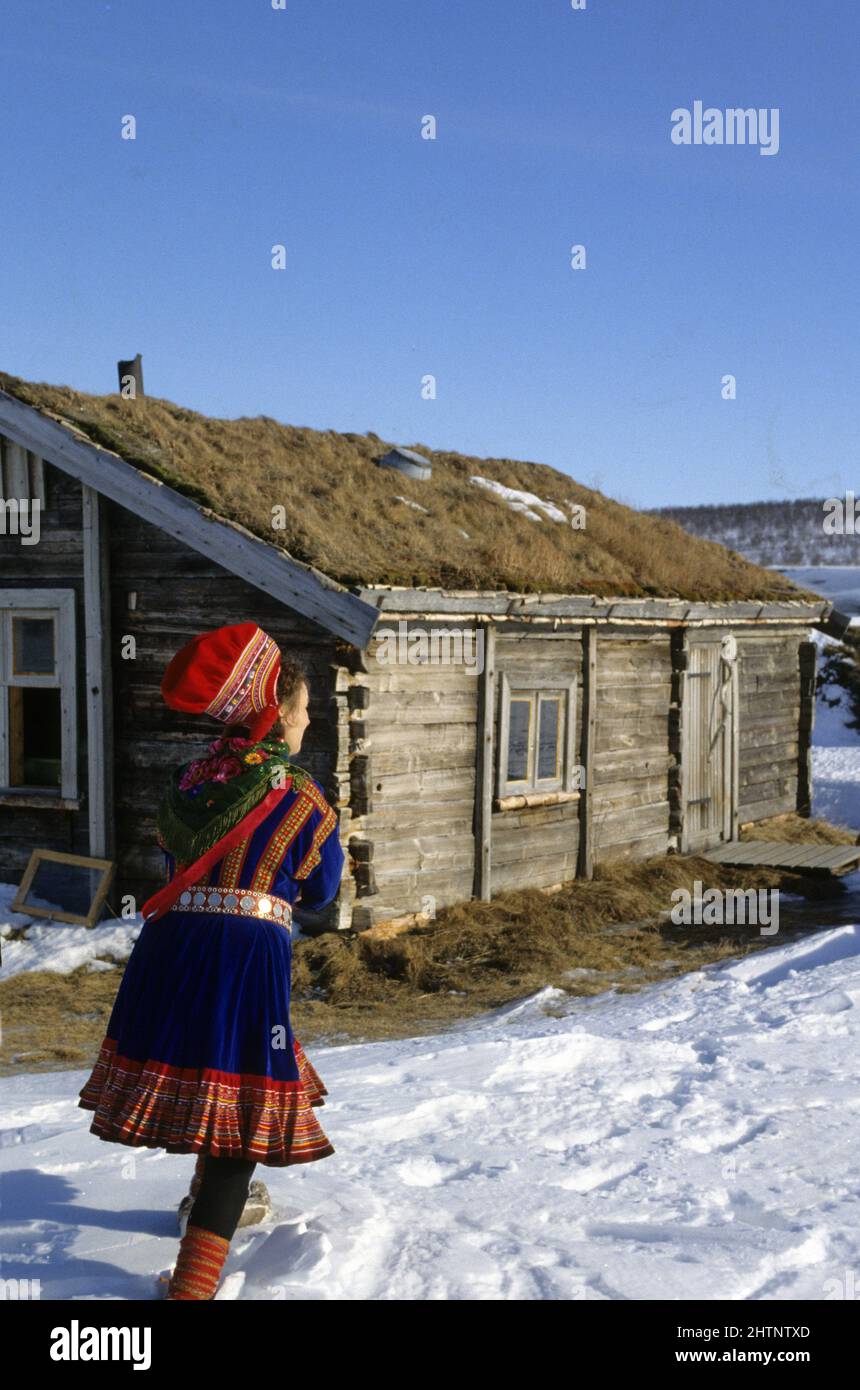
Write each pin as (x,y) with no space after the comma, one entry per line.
(38,708)
(536,731)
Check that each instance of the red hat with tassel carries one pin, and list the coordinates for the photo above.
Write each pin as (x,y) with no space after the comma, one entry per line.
(231,674)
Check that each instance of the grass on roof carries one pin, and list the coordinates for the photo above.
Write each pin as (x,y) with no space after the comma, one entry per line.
(344,517)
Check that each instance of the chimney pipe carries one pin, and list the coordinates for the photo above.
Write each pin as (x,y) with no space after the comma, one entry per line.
(131,378)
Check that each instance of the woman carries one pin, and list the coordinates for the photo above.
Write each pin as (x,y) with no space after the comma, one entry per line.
(199,1056)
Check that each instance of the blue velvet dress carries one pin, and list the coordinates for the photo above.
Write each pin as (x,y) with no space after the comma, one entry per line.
(199,1056)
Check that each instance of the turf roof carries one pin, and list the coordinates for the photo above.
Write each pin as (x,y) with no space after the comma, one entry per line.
(347,517)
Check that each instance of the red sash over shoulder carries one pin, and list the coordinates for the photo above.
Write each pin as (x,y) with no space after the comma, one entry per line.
(162,901)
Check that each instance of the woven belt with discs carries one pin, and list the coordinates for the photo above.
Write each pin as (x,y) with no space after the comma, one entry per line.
(241,902)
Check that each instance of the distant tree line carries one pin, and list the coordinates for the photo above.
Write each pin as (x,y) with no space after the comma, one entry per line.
(789,532)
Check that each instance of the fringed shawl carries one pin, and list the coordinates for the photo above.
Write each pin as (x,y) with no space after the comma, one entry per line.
(208,796)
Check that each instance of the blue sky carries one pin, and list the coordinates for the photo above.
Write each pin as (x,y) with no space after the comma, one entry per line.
(450,257)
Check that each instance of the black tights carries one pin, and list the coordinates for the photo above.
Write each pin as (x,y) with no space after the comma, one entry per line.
(222,1195)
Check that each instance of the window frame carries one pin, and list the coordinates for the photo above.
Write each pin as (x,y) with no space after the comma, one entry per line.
(58,604)
(516,686)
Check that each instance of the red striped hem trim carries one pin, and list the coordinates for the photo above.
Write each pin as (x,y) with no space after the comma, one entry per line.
(186,1110)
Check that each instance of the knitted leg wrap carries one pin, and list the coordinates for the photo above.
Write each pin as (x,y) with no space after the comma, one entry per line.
(199,1264)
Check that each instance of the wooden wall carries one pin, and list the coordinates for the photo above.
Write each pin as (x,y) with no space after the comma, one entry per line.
(413,759)
(769,679)
(631,756)
(412,765)
(55,562)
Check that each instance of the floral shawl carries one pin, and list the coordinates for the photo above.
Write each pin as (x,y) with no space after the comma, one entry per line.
(208,796)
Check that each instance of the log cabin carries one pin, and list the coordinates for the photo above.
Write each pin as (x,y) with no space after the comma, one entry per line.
(513,678)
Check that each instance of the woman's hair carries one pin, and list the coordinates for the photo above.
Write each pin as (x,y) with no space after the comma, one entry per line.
(290,678)
(289,683)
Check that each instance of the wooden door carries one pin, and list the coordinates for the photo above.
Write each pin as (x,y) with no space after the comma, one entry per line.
(710,745)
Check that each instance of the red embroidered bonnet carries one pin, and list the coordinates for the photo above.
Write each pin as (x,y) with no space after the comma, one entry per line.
(230,674)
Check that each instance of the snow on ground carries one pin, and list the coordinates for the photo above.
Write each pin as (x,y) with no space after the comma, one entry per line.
(60,946)
(836,785)
(35,943)
(694,1140)
(835,756)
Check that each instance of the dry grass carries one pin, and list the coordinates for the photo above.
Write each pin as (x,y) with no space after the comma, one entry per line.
(343,517)
(612,931)
(798,830)
(53,1021)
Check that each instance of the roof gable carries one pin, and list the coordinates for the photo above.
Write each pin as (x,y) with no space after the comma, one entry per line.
(262,564)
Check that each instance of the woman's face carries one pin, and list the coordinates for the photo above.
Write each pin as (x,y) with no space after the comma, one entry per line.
(295,720)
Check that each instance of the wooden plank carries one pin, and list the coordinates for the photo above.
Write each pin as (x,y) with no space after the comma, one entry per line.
(624,766)
(771,755)
(776,855)
(792,854)
(642,847)
(807,657)
(734,750)
(421,601)
(614,827)
(585,861)
(838,856)
(17,475)
(99,685)
(618,796)
(826,855)
(484,770)
(264,565)
(763,810)
(742,852)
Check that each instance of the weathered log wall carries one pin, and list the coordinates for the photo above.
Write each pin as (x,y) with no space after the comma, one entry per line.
(412,761)
(412,735)
(56,562)
(769,676)
(632,756)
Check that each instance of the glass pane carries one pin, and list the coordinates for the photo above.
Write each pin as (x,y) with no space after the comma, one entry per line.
(35,738)
(518,740)
(549,750)
(33,646)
